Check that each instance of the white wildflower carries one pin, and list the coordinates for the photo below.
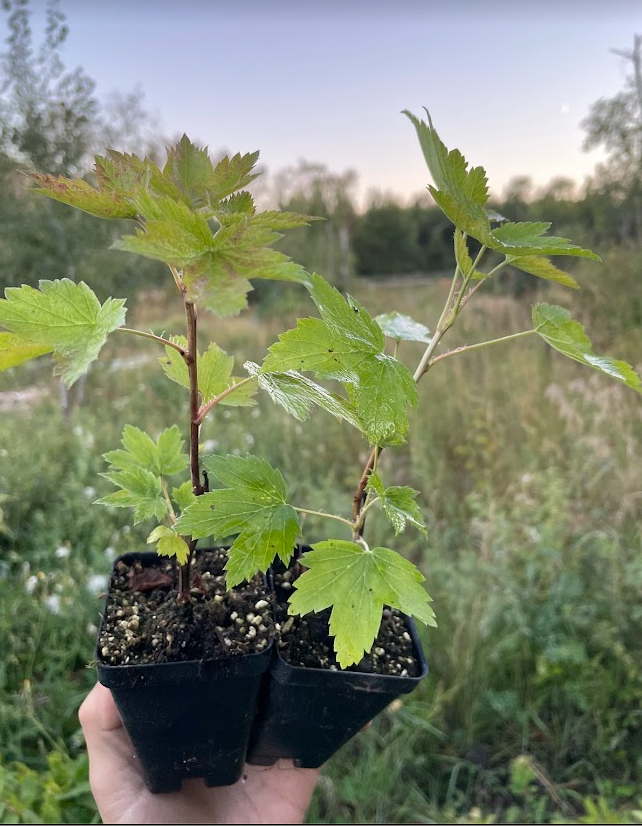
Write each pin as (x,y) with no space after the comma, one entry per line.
(96,583)
(53,603)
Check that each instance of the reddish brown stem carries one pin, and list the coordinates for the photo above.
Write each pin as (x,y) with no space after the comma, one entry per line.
(191,359)
(185,574)
(358,500)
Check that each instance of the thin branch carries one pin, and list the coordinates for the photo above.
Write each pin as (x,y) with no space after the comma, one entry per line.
(205,409)
(357,499)
(191,359)
(467,347)
(325,516)
(192,370)
(499,267)
(471,293)
(159,339)
(170,505)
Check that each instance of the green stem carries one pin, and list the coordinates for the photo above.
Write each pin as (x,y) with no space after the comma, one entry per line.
(205,408)
(172,512)
(499,267)
(164,341)
(446,320)
(468,347)
(368,505)
(325,516)
(460,297)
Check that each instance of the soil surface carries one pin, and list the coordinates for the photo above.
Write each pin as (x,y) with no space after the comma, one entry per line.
(145,623)
(305,641)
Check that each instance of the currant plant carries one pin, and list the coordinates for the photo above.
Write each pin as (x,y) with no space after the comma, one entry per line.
(199,219)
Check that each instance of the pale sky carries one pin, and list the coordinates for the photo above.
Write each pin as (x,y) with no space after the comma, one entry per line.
(325,81)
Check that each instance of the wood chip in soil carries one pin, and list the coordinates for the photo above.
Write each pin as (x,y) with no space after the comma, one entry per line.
(150,625)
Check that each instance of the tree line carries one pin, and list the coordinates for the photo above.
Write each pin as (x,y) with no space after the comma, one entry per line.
(52,120)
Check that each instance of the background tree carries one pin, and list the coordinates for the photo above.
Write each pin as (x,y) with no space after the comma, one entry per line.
(324,246)
(616,125)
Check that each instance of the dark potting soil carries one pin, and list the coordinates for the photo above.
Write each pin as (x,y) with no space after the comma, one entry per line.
(305,641)
(145,623)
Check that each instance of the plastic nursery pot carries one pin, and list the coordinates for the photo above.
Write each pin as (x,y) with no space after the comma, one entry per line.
(188,719)
(307,714)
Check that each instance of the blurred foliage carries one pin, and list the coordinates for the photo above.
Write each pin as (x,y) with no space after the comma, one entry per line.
(60,794)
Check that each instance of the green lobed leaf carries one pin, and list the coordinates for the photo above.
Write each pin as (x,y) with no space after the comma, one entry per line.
(381,396)
(183,495)
(64,317)
(173,363)
(170,458)
(244,396)
(15,349)
(357,584)
(158,533)
(449,169)
(214,371)
(162,458)
(120,174)
(215,287)
(173,545)
(169,543)
(403,328)
(315,346)
(253,505)
(555,325)
(528,238)
(231,174)
(139,489)
(345,315)
(347,345)
(461,194)
(462,255)
(398,504)
(83,196)
(240,202)
(190,169)
(543,268)
(465,214)
(180,237)
(220,280)
(298,395)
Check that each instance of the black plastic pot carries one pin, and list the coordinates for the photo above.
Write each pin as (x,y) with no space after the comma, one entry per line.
(187,719)
(308,713)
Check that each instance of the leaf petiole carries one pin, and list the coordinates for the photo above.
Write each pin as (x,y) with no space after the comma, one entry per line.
(325,516)
(164,341)
(205,408)
(466,348)
(170,504)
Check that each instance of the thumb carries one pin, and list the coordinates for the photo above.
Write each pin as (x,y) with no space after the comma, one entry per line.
(114,771)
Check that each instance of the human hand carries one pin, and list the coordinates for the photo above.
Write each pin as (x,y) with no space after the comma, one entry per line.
(274,794)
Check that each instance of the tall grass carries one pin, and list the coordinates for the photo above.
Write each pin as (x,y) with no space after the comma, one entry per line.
(531,485)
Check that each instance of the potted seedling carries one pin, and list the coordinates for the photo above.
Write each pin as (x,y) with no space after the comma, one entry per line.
(186,636)
(307,717)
